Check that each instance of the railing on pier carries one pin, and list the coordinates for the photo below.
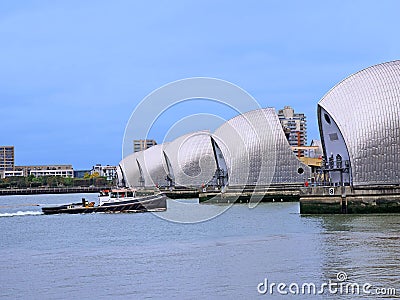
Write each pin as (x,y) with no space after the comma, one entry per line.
(330,167)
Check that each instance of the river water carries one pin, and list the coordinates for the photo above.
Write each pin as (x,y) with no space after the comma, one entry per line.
(235,255)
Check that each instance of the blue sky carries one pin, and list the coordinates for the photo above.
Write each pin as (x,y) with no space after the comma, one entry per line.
(72,72)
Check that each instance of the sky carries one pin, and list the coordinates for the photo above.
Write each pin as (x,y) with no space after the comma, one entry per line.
(72,72)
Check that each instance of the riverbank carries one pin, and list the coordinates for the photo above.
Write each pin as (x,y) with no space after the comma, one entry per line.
(51,190)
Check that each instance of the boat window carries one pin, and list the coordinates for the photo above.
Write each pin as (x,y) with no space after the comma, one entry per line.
(122,194)
(114,195)
(129,194)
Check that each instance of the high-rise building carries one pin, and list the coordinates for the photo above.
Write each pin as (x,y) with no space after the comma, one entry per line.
(140,145)
(6,158)
(295,127)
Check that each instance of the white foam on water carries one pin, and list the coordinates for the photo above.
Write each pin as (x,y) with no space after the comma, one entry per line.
(21,213)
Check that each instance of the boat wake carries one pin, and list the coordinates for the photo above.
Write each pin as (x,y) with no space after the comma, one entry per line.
(21,213)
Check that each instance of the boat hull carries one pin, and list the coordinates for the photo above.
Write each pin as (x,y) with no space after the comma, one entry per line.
(150,203)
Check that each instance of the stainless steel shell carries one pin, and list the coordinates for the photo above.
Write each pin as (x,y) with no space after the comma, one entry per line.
(366,109)
(256,150)
(153,166)
(131,171)
(192,159)
(253,144)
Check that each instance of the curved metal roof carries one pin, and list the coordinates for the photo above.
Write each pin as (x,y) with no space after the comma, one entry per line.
(366,108)
(131,170)
(120,176)
(153,166)
(192,159)
(256,150)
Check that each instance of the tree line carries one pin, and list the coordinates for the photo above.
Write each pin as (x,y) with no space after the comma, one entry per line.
(53,181)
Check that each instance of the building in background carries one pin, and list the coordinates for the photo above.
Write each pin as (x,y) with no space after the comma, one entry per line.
(312,155)
(8,168)
(46,170)
(81,173)
(295,127)
(6,158)
(110,172)
(5,174)
(140,145)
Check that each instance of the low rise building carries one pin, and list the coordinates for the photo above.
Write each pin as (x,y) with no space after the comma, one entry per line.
(110,172)
(46,170)
(5,174)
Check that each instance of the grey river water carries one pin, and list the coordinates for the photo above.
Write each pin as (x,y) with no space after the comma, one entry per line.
(142,256)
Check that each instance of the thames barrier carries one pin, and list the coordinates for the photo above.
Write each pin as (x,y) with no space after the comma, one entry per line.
(250,156)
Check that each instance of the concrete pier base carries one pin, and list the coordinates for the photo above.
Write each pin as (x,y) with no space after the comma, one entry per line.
(180,193)
(283,193)
(352,200)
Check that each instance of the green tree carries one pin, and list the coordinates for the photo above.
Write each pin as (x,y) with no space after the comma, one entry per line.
(52,181)
(30,178)
(68,181)
(95,175)
(100,181)
(44,180)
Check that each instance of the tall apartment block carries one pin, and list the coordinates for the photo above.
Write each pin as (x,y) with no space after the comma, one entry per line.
(6,158)
(295,127)
(140,145)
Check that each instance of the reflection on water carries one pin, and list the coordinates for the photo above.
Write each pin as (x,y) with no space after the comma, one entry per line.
(365,247)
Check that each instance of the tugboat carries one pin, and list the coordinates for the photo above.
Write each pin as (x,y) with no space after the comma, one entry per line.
(113,201)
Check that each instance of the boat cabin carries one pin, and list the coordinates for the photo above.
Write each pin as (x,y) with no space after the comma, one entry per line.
(122,194)
(116,195)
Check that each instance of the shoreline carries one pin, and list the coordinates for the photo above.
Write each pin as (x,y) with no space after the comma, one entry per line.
(50,190)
